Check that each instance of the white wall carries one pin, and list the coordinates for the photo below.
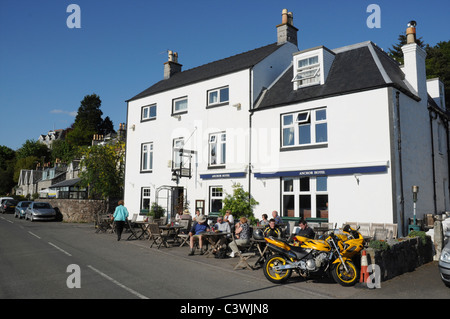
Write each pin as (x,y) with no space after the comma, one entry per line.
(358,136)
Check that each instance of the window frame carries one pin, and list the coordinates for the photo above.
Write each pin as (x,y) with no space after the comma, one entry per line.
(149,160)
(219,101)
(211,197)
(148,109)
(294,194)
(219,139)
(179,99)
(315,67)
(294,127)
(144,197)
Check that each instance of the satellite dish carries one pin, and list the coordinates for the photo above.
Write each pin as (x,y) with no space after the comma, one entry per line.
(412,24)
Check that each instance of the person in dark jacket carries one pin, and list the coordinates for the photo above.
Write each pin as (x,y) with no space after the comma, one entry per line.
(305,230)
(272,230)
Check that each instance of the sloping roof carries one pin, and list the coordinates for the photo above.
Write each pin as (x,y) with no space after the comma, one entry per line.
(66,183)
(354,69)
(221,67)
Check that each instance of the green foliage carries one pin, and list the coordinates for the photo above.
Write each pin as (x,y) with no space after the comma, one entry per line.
(421,234)
(156,211)
(64,151)
(33,148)
(379,245)
(24,163)
(103,170)
(240,203)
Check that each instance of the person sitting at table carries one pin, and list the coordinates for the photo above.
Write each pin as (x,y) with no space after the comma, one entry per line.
(277,218)
(272,230)
(242,235)
(305,230)
(186,215)
(223,227)
(264,221)
(228,217)
(195,233)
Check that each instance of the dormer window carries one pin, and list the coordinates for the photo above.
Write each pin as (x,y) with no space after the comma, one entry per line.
(308,71)
(311,66)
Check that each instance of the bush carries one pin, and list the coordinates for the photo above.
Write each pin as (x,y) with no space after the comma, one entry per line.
(379,244)
(156,211)
(421,234)
(240,204)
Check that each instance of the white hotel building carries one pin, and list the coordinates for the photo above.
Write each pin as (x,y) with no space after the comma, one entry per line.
(339,134)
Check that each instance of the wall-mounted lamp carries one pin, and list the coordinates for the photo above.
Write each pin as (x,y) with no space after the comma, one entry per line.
(357,176)
(133,127)
(237,106)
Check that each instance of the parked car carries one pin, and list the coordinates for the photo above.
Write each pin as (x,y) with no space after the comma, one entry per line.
(40,211)
(19,212)
(8,206)
(2,200)
(444,261)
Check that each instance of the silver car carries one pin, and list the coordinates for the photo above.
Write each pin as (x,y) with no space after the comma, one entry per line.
(20,209)
(444,261)
(40,211)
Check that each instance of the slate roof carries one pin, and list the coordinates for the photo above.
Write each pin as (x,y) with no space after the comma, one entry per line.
(221,67)
(357,68)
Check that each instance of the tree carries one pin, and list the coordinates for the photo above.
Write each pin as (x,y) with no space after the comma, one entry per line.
(396,51)
(33,148)
(7,162)
(240,203)
(63,150)
(89,122)
(103,170)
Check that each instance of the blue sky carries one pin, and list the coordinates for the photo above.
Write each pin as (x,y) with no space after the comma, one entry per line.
(46,68)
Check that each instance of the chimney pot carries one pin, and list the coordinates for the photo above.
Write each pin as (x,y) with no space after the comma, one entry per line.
(411,32)
(286,32)
(171,66)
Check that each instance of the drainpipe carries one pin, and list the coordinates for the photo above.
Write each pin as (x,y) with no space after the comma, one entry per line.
(250,136)
(432,159)
(399,144)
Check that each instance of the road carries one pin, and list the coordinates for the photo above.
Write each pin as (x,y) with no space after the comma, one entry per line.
(47,260)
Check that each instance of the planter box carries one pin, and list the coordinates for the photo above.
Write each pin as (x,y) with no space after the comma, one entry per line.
(403,256)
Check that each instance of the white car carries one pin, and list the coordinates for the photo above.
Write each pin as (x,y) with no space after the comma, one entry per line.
(444,261)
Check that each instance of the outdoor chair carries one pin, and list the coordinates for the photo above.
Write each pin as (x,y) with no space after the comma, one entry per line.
(155,235)
(184,232)
(243,260)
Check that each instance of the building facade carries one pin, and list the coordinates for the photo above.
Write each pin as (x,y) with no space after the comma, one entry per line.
(339,134)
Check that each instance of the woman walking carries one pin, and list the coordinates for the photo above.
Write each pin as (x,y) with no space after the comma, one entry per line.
(120,216)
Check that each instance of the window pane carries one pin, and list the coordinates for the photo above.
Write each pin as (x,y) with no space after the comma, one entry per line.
(302,117)
(213,154)
(145,113)
(153,111)
(288,206)
(305,206)
(288,185)
(144,161)
(322,183)
(288,136)
(213,97)
(321,133)
(224,95)
(304,134)
(322,206)
(321,115)
(224,149)
(150,166)
(288,120)
(304,184)
(181,105)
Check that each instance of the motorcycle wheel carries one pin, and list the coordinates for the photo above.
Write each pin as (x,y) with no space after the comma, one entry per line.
(344,278)
(276,276)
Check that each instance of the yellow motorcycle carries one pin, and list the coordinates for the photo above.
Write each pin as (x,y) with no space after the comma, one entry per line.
(315,257)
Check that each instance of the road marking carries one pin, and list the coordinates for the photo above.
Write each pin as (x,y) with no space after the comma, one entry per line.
(60,249)
(7,220)
(118,283)
(34,235)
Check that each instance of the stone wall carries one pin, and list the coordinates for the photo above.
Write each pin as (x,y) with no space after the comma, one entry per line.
(77,210)
(403,256)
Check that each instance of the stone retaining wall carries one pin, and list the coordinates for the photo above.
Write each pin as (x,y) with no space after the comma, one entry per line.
(77,210)
(403,256)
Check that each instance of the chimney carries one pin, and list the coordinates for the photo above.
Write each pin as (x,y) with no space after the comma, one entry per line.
(171,66)
(286,32)
(414,62)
